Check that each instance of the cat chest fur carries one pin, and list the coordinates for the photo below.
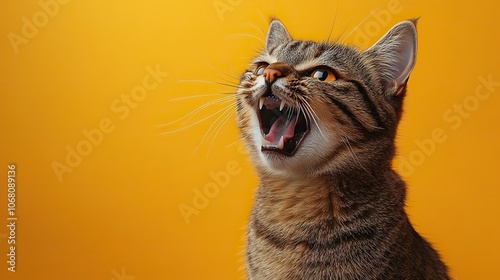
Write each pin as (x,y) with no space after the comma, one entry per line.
(322,228)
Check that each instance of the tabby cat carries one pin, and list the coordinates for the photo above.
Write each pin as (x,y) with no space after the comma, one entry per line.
(319,120)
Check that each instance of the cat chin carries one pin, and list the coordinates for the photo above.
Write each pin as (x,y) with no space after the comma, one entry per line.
(305,162)
(274,164)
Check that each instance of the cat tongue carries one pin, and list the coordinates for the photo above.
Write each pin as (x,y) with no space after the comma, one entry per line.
(282,127)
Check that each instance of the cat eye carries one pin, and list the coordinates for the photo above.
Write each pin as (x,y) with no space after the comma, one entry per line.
(323,74)
(260,69)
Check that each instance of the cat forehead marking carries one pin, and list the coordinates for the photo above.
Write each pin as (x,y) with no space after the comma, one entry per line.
(305,64)
(308,64)
(302,55)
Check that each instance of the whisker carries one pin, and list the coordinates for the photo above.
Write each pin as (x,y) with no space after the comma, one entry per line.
(209,82)
(220,126)
(225,109)
(289,112)
(374,126)
(334,20)
(220,100)
(343,31)
(353,154)
(235,75)
(257,28)
(312,114)
(200,95)
(228,81)
(255,51)
(262,17)
(357,26)
(234,143)
(299,110)
(351,151)
(314,118)
(246,35)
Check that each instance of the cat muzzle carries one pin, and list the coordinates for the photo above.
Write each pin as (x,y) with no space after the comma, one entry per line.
(282,128)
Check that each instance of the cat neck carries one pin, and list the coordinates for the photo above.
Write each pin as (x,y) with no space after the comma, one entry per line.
(330,196)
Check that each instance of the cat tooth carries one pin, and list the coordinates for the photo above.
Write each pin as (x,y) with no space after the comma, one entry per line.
(264,141)
(282,105)
(261,102)
(281,143)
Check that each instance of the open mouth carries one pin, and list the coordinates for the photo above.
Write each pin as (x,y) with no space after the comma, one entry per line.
(282,128)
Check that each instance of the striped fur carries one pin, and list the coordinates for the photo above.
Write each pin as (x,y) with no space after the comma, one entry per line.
(335,208)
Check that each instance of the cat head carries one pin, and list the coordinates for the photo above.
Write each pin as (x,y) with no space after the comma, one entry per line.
(308,107)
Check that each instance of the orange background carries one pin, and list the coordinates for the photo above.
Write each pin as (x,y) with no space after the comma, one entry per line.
(116,214)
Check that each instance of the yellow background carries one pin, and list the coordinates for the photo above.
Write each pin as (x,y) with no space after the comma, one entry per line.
(117,213)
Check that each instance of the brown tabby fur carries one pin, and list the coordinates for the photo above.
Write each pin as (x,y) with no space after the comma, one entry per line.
(335,208)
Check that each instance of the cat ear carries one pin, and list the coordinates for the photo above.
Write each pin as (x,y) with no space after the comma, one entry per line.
(277,35)
(394,55)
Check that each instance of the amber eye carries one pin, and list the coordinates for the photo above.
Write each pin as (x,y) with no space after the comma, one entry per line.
(260,70)
(323,74)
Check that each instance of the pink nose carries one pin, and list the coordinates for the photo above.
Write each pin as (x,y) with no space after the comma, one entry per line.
(271,74)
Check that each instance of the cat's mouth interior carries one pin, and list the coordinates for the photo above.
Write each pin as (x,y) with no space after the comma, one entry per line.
(282,128)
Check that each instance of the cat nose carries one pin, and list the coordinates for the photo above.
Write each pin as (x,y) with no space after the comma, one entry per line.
(276,70)
(271,74)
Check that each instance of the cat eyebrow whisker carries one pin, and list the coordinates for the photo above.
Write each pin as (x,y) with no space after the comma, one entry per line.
(224,99)
(334,20)
(357,26)
(257,28)
(245,35)
(343,31)
(262,17)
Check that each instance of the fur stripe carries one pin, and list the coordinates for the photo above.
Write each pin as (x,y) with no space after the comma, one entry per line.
(250,263)
(319,50)
(358,234)
(306,45)
(263,232)
(348,113)
(292,45)
(369,103)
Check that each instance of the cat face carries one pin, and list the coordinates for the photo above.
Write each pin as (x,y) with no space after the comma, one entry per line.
(309,107)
